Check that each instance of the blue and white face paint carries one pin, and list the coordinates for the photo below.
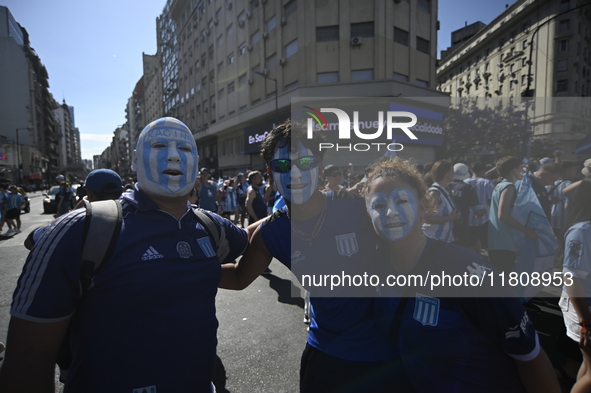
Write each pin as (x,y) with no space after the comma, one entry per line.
(393,215)
(296,186)
(165,158)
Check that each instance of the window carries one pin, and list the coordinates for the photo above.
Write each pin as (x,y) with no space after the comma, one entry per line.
(562,85)
(422,45)
(220,66)
(524,44)
(242,80)
(271,24)
(220,40)
(291,48)
(204,81)
(221,94)
(230,29)
(242,49)
(291,86)
(364,30)
(564,25)
(197,65)
(564,5)
(272,61)
(210,24)
(253,4)
(424,5)
(231,88)
(241,17)
(327,33)
(327,77)
(211,76)
(401,36)
(218,14)
(290,8)
(562,65)
(361,75)
(210,51)
(563,46)
(255,37)
(231,59)
(198,86)
(400,77)
(198,109)
(524,62)
(422,83)
(523,80)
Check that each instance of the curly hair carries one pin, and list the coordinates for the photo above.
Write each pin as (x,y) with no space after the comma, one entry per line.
(282,135)
(403,170)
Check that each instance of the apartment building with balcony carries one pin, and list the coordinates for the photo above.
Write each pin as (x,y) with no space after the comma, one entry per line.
(537,53)
(238,63)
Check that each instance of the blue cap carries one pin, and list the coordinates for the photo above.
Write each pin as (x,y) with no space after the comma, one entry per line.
(240,174)
(103,180)
(546,160)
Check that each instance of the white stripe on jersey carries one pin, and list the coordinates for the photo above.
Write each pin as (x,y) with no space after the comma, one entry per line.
(484,189)
(40,256)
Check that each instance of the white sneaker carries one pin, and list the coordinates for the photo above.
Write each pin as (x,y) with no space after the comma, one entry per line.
(10,231)
(17,231)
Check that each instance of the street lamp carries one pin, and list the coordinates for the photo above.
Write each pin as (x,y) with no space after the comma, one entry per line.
(528,92)
(276,94)
(18,155)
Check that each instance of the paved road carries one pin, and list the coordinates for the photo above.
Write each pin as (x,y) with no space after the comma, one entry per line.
(261,334)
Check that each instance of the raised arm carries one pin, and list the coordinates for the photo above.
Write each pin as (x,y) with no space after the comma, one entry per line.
(255,260)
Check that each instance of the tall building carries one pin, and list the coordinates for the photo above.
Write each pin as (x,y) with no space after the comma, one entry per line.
(239,62)
(153,104)
(495,62)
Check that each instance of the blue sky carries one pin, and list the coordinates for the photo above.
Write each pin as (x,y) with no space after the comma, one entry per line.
(93,51)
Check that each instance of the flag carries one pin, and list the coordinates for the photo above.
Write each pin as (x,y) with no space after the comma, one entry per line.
(2,156)
(534,255)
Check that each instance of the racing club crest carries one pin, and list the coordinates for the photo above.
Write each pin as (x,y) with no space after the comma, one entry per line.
(426,310)
(575,248)
(347,244)
(184,249)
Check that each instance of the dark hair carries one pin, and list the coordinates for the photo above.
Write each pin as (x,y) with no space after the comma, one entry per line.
(282,135)
(506,164)
(103,196)
(329,170)
(439,169)
(578,210)
(401,169)
(478,167)
(252,174)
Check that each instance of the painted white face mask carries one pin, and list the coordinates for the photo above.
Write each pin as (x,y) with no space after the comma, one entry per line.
(295,173)
(393,215)
(165,158)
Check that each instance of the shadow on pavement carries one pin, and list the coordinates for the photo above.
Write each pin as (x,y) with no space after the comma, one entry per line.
(284,289)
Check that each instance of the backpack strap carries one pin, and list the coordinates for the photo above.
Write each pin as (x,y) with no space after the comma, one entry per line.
(219,239)
(102,228)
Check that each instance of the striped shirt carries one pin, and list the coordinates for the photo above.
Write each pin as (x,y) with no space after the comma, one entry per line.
(558,212)
(445,207)
(484,189)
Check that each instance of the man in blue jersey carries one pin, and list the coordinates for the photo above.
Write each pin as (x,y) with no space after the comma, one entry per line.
(147,323)
(345,352)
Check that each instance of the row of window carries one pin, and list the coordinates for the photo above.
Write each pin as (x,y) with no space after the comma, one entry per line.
(402,37)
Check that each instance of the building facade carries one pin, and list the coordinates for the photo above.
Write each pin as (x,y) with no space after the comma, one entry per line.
(240,62)
(548,80)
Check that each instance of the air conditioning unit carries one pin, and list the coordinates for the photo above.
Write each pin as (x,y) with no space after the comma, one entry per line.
(282,61)
(356,41)
(249,48)
(241,23)
(249,15)
(229,6)
(265,72)
(283,21)
(215,21)
(250,81)
(265,35)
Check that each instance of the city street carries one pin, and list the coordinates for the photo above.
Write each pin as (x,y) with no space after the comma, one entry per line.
(261,334)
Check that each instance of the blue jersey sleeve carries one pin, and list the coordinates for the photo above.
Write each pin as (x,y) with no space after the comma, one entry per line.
(237,237)
(48,289)
(506,321)
(577,259)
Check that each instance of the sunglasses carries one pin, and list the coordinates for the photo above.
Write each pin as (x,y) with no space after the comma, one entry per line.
(284,165)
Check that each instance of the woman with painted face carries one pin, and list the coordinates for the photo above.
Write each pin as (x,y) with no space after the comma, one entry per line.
(447,344)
